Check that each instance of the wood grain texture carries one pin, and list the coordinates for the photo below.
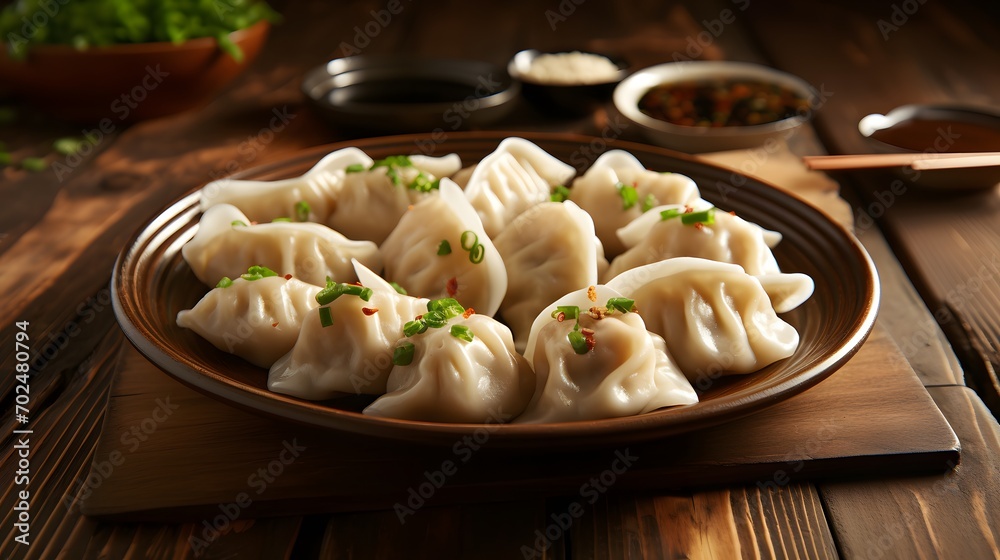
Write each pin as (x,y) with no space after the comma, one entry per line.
(750,522)
(946,242)
(952,516)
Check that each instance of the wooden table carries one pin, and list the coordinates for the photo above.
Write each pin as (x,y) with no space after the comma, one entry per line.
(60,237)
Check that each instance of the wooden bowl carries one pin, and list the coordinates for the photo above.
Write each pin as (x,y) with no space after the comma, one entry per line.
(128,82)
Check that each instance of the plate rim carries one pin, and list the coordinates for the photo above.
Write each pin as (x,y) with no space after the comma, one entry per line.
(564,434)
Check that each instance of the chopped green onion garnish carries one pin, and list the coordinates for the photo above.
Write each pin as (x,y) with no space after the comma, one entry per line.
(435,319)
(706,217)
(224,283)
(366,294)
(398,288)
(354,168)
(403,354)
(34,164)
(331,292)
(571,311)
(302,210)
(325,317)
(649,203)
(578,342)
(393,161)
(258,272)
(448,306)
(670,213)
(463,332)
(628,194)
(477,254)
(281,220)
(238,223)
(423,183)
(624,305)
(444,248)
(68,146)
(559,193)
(414,327)
(469,239)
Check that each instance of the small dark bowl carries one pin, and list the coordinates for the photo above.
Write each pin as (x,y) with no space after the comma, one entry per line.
(564,99)
(408,94)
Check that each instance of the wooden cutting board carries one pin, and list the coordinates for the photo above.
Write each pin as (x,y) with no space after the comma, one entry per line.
(170,453)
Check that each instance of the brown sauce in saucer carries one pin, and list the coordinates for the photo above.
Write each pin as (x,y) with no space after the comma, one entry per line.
(941,136)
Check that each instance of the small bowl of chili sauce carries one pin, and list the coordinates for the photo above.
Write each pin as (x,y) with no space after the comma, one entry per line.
(711,106)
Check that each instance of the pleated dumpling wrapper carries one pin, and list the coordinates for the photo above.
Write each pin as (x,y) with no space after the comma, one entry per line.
(257,316)
(717,319)
(464,371)
(439,249)
(618,189)
(514,177)
(593,359)
(375,197)
(310,197)
(346,343)
(548,250)
(227,243)
(695,230)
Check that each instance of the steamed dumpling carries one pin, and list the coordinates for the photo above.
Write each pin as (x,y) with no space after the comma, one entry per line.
(226,244)
(451,379)
(258,320)
(730,239)
(374,198)
(600,192)
(439,249)
(353,352)
(548,250)
(263,201)
(516,176)
(716,318)
(626,371)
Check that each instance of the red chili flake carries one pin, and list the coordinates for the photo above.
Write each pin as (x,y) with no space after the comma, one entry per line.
(452,286)
(274,324)
(591,342)
(732,212)
(598,312)
(688,209)
(369,311)
(699,226)
(468,313)
(592,293)
(418,317)
(357,284)
(587,332)
(288,277)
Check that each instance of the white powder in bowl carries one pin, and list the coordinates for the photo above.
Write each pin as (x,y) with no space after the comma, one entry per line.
(573,68)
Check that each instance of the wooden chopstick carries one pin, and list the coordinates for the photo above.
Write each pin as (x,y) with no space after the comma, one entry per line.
(917,161)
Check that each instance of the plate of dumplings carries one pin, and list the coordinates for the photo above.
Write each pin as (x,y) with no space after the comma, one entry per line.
(420,291)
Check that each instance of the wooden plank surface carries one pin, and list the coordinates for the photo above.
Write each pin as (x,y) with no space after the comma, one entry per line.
(956,515)
(947,243)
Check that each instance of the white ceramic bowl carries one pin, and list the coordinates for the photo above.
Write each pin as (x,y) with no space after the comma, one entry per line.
(696,139)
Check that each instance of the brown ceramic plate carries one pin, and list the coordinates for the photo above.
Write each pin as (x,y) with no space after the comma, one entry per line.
(151,283)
